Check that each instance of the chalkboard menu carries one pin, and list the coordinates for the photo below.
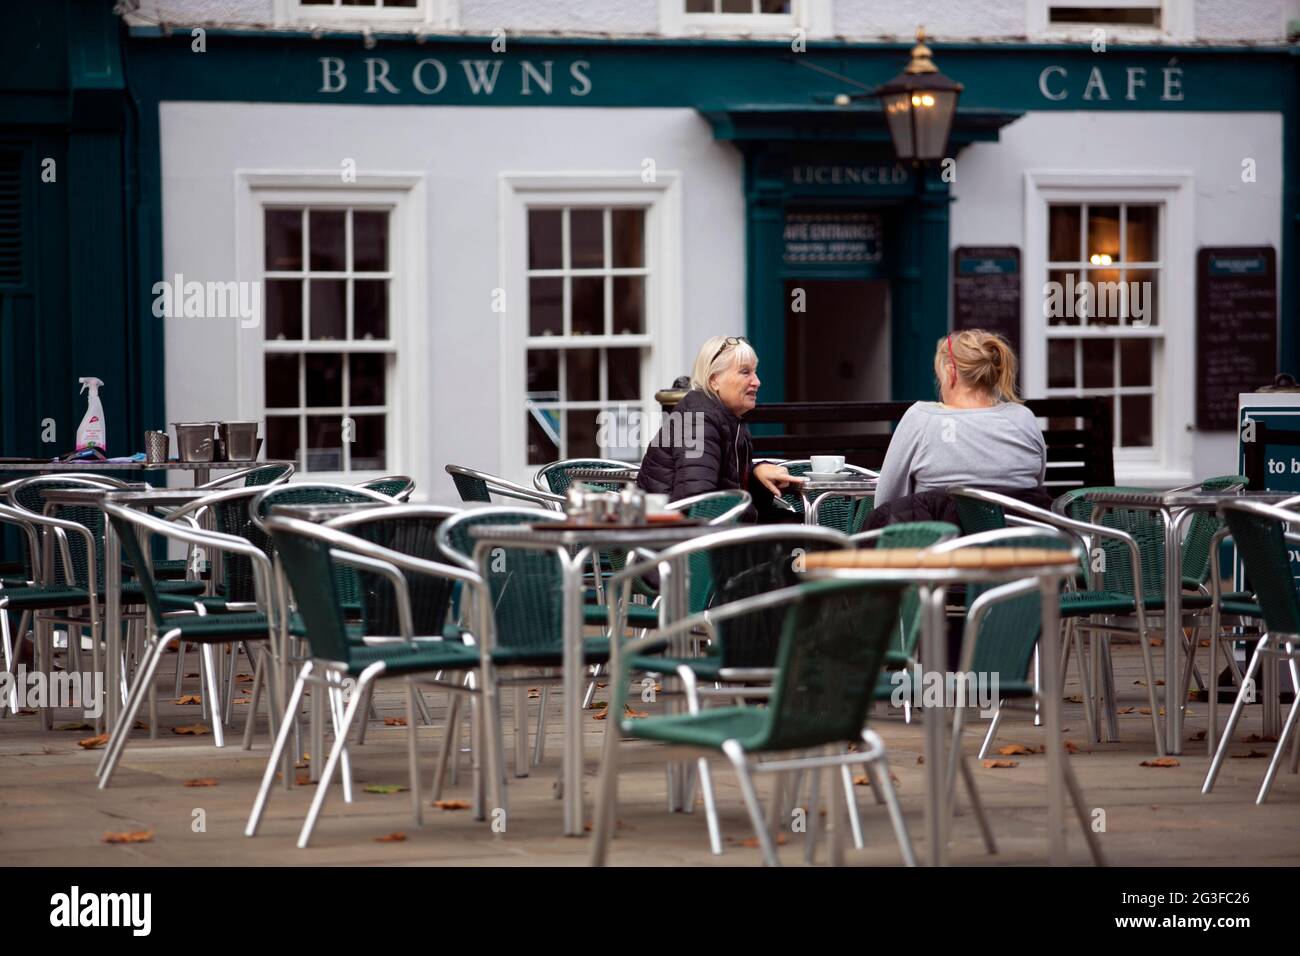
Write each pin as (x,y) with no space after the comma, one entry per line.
(986,290)
(832,237)
(1236,329)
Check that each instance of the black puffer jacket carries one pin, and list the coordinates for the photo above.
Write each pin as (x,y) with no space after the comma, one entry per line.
(701,447)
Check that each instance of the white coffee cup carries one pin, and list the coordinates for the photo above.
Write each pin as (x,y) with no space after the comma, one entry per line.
(656,504)
(827,464)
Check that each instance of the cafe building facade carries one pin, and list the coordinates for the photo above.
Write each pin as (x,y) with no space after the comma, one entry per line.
(493,248)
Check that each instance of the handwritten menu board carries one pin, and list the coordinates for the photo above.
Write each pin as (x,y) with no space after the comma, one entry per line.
(986,290)
(1236,329)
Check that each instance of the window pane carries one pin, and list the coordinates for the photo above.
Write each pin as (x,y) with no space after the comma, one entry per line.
(1135,362)
(545,306)
(699,6)
(543,374)
(282,438)
(629,305)
(737,6)
(1060,303)
(1060,363)
(1103,232)
(328,308)
(588,316)
(1063,234)
(582,375)
(1127,16)
(627,227)
(370,241)
(283,240)
(324,443)
(545,246)
(580,434)
(324,379)
(1143,299)
(1140,233)
(366,376)
(586,238)
(1098,363)
(1135,421)
(774,6)
(1107,300)
(623,373)
(284,308)
(370,309)
(326,231)
(281,380)
(542,448)
(369,443)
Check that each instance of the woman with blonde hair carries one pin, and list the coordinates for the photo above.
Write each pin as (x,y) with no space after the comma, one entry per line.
(978,434)
(703,445)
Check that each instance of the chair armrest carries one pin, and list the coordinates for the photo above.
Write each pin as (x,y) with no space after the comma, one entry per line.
(11,515)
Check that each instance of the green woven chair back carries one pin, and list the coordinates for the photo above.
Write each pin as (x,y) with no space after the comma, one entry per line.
(32,498)
(231,517)
(558,480)
(747,569)
(1202,529)
(140,566)
(416,536)
(977,516)
(312,574)
(835,511)
(912,534)
(393,487)
(831,649)
(1009,631)
(264,476)
(1261,542)
(526,585)
(470,488)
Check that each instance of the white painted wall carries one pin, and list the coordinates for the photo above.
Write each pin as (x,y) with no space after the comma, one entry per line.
(989,192)
(460,151)
(949,20)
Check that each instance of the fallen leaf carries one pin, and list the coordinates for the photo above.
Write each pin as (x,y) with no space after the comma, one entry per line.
(1143,683)
(90,743)
(76,726)
(304,780)
(597,704)
(243,700)
(920,758)
(1011,750)
(26,711)
(451,804)
(1074,699)
(188,699)
(239,678)
(629,711)
(1129,710)
(999,764)
(534,693)
(1162,762)
(384,788)
(1157,642)
(752,842)
(1199,735)
(1253,755)
(862,780)
(1160,682)
(1144,710)
(1204,643)
(394,721)
(139,725)
(202,782)
(195,674)
(192,729)
(1257,739)
(391,838)
(600,716)
(136,836)
(1072,748)
(598,684)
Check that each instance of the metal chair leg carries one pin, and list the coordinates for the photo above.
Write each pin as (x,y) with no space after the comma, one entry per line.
(210,673)
(1284,737)
(180,668)
(736,755)
(879,769)
(336,753)
(1237,705)
(539,742)
(992,731)
(413,753)
(986,831)
(851,802)
(334,697)
(254,695)
(607,797)
(117,742)
(281,738)
(449,741)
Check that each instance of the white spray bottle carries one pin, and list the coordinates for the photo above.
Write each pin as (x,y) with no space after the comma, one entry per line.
(91,431)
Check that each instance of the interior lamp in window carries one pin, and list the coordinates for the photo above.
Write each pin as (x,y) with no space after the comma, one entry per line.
(1100,259)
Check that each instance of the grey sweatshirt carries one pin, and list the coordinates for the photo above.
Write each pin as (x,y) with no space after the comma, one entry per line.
(936,447)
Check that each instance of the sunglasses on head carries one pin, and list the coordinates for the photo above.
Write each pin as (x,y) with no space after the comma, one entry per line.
(728,342)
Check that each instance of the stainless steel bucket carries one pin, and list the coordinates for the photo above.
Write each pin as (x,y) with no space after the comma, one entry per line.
(240,439)
(194,440)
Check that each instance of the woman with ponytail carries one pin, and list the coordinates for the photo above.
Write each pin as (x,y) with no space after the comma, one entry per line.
(978,434)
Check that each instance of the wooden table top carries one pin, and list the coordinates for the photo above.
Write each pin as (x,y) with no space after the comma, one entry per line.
(923,558)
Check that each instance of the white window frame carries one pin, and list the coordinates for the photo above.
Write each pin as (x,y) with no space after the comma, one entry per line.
(1169,462)
(426,13)
(1177,21)
(814,17)
(408,392)
(663,293)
